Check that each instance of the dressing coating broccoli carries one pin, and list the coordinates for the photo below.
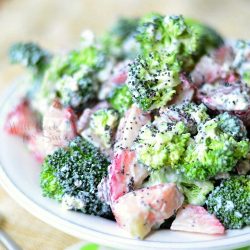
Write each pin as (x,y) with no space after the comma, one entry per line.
(233,126)
(75,172)
(151,80)
(191,114)
(212,151)
(73,78)
(230,202)
(186,40)
(160,144)
(103,124)
(120,99)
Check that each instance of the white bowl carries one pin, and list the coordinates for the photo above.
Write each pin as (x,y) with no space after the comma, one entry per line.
(19,175)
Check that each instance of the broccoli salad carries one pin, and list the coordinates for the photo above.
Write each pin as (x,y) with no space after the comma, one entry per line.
(146,125)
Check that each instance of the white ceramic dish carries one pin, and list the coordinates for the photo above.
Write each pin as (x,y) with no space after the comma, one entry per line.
(19,175)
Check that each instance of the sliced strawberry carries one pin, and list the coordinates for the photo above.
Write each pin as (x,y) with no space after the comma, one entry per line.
(214,67)
(185,91)
(129,127)
(125,175)
(59,127)
(140,211)
(120,73)
(223,96)
(21,121)
(192,218)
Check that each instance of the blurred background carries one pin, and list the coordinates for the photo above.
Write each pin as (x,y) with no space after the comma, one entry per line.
(57,25)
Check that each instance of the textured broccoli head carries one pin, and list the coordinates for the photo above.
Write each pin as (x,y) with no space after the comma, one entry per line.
(50,185)
(195,192)
(230,202)
(211,152)
(185,40)
(78,90)
(207,37)
(157,32)
(120,41)
(103,124)
(73,78)
(151,80)
(120,99)
(191,114)
(76,172)
(31,56)
(160,144)
(232,125)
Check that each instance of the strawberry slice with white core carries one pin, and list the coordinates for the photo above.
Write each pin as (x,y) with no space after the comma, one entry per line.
(196,219)
(129,127)
(125,174)
(140,211)
(59,127)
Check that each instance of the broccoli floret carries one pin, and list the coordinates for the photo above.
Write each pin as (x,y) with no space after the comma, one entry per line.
(76,172)
(119,41)
(233,126)
(73,78)
(103,124)
(157,32)
(78,90)
(30,55)
(183,40)
(120,99)
(230,202)
(207,37)
(160,144)
(191,114)
(50,185)
(211,152)
(195,192)
(151,81)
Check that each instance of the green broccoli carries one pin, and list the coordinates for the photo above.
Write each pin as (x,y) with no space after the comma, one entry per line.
(30,55)
(191,114)
(195,192)
(120,99)
(160,144)
(151,80)
(51,186)
(119,41)
(75,173)
(207,37)
(73,78)
(212,151)
(233,126)
(184,40)
(230,202)
(103,124)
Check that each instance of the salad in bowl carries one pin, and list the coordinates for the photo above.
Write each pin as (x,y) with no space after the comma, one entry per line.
(146,125)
